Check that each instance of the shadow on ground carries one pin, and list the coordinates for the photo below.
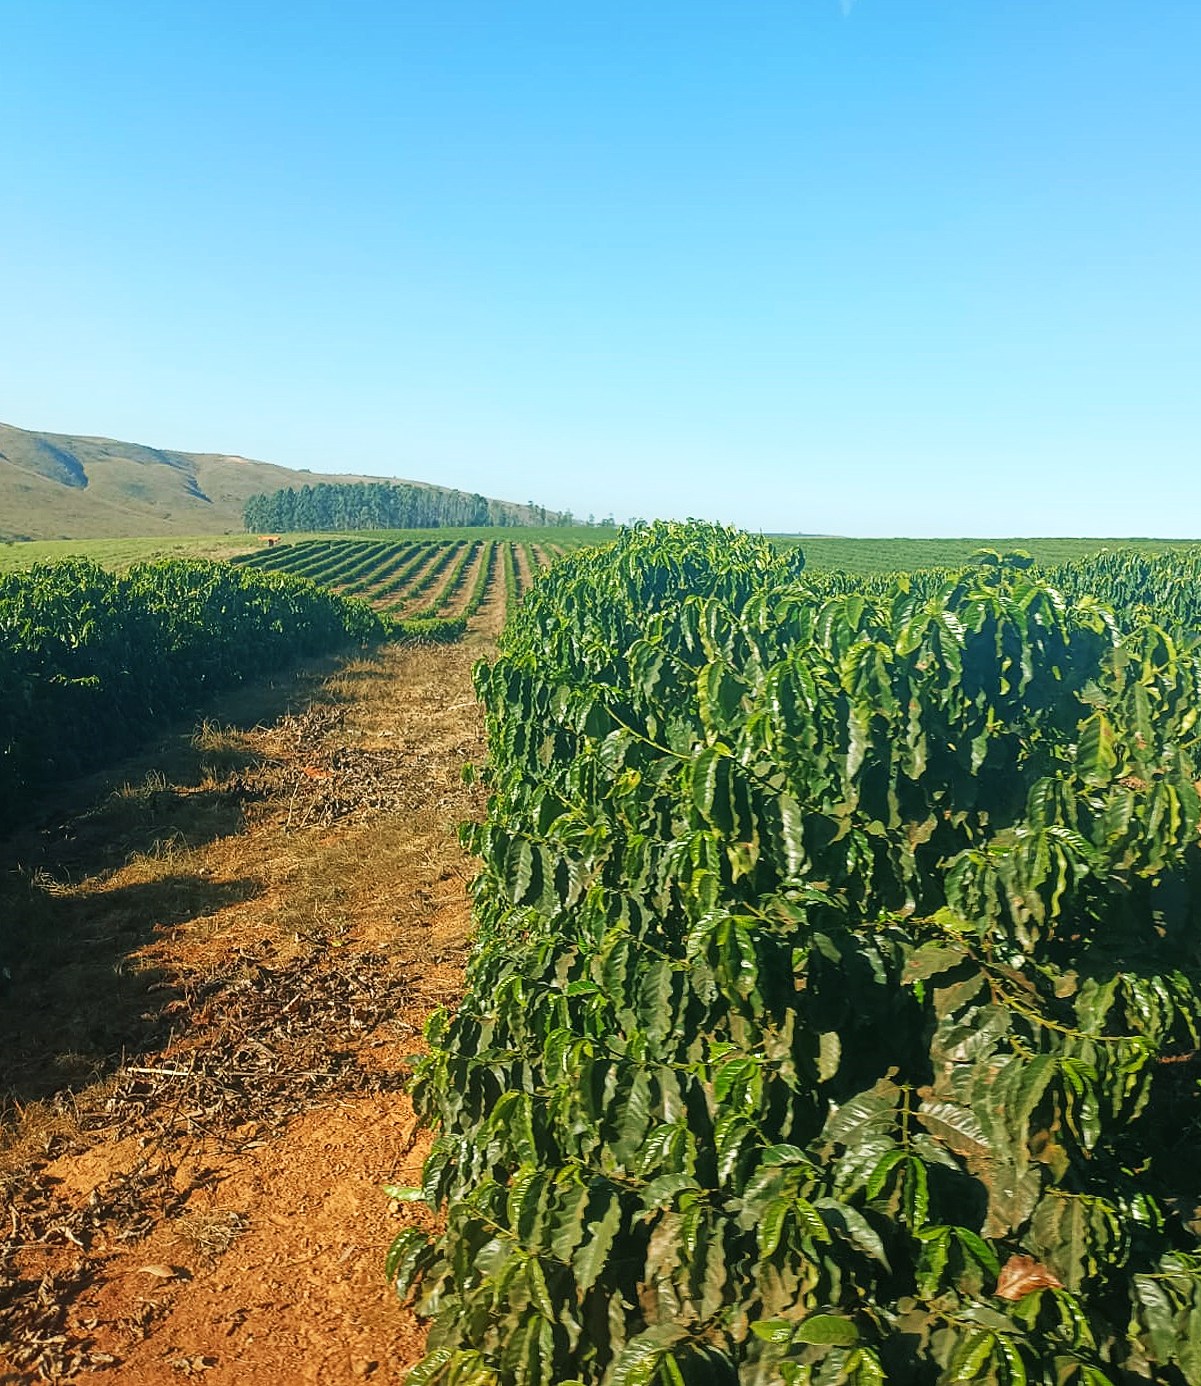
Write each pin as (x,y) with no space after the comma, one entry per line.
(103,863)
(73,1003)
(177,788)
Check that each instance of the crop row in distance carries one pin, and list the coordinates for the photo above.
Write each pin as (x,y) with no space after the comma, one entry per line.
(416,576)
(838,553)
(118,554)
(822,551)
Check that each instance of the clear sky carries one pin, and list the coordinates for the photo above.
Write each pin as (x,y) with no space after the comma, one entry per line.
(885,267)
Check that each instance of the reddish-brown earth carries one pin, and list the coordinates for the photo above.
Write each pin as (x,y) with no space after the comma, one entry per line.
(230,948)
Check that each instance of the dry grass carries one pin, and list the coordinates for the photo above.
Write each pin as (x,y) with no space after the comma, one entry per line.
(224,751)
(152,785)
(247,923)
(35,1131)
(199,852)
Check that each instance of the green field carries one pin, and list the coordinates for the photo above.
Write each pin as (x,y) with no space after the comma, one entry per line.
(907,555)
(120,553)
(821,551)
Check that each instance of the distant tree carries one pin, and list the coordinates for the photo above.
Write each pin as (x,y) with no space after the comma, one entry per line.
(382,505)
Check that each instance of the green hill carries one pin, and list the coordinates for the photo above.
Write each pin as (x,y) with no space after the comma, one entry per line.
(57,486)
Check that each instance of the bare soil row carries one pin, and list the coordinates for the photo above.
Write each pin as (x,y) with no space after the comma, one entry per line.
(233,942)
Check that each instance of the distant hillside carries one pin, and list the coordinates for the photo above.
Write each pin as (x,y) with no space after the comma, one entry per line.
(56,486)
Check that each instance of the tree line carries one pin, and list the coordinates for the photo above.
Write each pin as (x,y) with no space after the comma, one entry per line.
(384,505)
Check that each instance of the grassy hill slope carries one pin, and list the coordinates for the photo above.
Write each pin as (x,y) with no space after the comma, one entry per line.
(57,486)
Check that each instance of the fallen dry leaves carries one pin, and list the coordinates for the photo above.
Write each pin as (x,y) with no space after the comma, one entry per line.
(208,1043)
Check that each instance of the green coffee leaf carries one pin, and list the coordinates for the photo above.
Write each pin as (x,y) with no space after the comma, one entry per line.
(401,1193)
(830,1330)
(519,869)
(589,1262)
(638,1361)
(1096,751)
(842,1218)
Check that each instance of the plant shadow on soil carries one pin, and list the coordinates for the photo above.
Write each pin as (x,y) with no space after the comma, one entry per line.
(189,783)
(227,949)
(74,1006)
(83,890)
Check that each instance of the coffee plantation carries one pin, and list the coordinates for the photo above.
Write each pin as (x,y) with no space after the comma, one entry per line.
(834,1011)
(90,660)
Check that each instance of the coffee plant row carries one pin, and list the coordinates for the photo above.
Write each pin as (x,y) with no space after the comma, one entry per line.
(415,580)
(834,1014)
(88,659)
(1163,587)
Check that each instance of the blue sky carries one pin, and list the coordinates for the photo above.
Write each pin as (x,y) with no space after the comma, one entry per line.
(892,267)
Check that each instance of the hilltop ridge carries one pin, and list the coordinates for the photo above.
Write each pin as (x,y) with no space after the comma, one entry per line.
(64,486)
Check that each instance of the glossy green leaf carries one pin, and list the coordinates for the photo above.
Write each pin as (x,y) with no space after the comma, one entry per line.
(1096,751)
(830,1330)
(590,1259)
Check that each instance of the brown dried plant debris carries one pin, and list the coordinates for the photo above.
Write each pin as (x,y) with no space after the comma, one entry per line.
(266,1044)
(228,950)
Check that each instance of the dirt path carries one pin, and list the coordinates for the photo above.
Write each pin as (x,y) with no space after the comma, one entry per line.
(525,574)
(230,951)
(458,602)
(489,620)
